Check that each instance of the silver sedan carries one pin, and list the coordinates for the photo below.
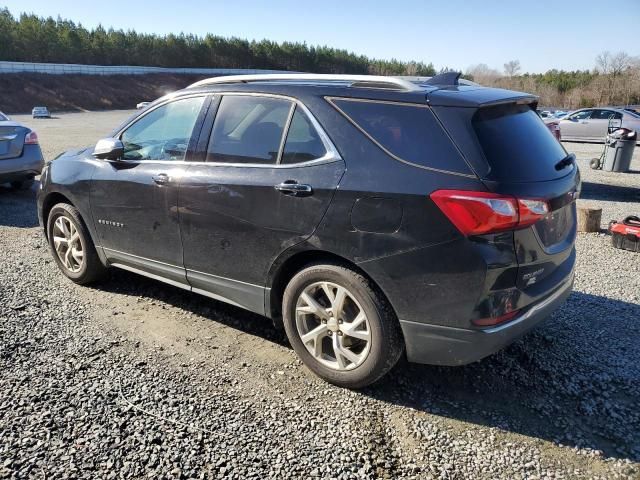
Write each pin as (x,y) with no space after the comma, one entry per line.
(590,124)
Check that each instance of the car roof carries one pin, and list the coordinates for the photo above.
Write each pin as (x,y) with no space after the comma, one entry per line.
(403,89)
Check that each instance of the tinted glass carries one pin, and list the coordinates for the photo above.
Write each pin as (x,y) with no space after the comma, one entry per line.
(584,114)
(411,133)
(303,142)
(605,115)
(517,144)
(248,129)
(164,133)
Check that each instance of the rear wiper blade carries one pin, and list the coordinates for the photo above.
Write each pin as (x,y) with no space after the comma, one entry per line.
(566,161)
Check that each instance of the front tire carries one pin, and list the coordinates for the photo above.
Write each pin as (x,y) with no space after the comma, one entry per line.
(341,327)
(71,245)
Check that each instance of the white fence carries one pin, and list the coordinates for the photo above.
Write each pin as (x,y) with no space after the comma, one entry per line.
(71,68)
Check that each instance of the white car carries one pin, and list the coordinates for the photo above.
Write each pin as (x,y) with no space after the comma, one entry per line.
(590,124)
(142,105)
(40,112)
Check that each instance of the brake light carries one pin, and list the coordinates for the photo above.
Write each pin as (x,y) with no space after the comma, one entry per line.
(31,138)
(478,213)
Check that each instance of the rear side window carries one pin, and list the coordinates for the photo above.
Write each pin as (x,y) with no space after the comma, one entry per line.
(248,129)
(303,142)
(409,133)
(518,145)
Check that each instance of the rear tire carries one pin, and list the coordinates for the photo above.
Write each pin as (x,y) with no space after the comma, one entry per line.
(23,184)
(71,245)
(351,335)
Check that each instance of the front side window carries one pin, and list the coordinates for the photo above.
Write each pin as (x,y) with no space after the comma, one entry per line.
(164,133)
(410,133)
(248,129)
(582,115)
(303,142)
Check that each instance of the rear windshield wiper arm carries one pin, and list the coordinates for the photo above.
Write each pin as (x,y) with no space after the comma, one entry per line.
(566,161)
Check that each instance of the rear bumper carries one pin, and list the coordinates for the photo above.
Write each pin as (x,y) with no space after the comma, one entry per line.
(441,345)
(28,165)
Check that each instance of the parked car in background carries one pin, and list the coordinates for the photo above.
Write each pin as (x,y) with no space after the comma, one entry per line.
(40,112)
(20,155)
(142,105)
(353,210)
(590,124)
(560,113)
(554,128)
(552,125)
(545,114)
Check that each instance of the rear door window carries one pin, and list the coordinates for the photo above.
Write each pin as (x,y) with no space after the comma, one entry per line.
(517,144)
(248,129)
(303,142)
(409,133)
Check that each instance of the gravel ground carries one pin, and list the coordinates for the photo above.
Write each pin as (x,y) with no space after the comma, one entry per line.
(136,379)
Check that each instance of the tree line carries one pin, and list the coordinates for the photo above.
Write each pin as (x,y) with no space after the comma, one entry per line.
(614,80)
(30,38)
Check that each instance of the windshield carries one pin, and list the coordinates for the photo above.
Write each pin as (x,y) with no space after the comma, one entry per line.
(3,117)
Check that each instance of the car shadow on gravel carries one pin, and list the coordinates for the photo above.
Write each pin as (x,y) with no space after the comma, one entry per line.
(558,383)
(574,380)
(126,283)
(603,191)
(18,207)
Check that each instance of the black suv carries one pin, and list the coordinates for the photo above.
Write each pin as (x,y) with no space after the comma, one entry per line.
(372,216)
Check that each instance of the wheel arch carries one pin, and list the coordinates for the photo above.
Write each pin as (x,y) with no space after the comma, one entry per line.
(52,199)
(283,271)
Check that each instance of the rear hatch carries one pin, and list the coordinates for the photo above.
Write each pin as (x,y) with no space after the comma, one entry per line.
(526,161)
(11,139)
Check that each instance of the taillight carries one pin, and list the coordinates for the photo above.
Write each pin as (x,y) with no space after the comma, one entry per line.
(31,138)
(478,213)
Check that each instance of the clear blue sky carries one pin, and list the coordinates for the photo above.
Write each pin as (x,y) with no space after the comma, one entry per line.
(542,34)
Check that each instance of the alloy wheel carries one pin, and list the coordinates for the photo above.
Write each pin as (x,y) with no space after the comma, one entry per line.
(67,244)
(333,326)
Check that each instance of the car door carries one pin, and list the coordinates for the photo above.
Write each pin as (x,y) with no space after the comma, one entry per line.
(599,122)
(268,176)
(134,199)
(575,125)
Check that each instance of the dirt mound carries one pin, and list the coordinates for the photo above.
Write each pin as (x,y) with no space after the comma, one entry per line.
(20,92)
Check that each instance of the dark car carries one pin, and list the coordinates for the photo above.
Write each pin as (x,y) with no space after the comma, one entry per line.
(371,216)
(20,155)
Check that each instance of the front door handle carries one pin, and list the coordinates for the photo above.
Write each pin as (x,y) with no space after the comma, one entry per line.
(295,189)
(161,179)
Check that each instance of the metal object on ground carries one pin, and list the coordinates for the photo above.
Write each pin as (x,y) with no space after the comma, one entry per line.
(622,143)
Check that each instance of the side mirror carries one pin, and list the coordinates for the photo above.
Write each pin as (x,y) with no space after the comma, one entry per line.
(109,149)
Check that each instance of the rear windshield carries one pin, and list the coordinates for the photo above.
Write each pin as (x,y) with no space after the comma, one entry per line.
(518,145)
(409,133)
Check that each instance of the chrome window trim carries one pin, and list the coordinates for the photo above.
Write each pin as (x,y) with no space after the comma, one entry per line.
(331,155)
(331,100)
(285,133)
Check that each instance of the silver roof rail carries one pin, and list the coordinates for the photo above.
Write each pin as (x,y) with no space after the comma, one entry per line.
(370,81)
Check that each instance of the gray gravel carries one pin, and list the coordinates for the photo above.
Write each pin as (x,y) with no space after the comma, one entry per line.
(137,379)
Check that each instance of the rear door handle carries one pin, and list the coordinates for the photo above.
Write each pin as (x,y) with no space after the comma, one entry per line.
(294,189)
(161,179)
